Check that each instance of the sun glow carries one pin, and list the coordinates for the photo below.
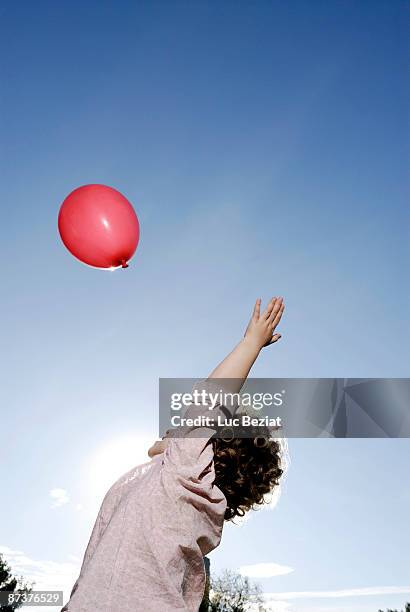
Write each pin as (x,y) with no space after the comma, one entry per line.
(113,459)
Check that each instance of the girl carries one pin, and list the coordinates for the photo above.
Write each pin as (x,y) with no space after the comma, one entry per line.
(158,521)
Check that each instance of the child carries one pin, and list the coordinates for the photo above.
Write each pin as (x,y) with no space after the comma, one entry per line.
(157,522)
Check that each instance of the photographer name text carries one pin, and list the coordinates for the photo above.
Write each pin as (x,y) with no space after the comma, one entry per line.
(243,420)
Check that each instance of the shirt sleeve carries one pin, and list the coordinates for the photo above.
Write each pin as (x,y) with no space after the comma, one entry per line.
(190,452)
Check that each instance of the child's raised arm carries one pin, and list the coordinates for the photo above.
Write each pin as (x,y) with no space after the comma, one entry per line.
(259,333)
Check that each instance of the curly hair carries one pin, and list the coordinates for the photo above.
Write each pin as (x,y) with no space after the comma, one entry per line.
(246,470)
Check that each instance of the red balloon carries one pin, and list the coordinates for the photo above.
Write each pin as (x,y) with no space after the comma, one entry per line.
(99,226)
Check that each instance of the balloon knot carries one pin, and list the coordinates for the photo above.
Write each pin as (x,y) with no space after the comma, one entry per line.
(124,263)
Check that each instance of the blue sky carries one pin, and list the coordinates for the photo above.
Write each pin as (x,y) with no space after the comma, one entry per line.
(263,146)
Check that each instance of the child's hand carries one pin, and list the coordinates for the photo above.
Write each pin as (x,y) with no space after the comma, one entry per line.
(261,326)
(237,365)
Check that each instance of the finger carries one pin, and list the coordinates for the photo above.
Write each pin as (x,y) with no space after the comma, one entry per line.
(266,313)
(275,338)
(257,309)
(275,309)
(278,317)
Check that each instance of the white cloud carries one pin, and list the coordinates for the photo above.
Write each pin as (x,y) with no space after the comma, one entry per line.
(47,575)
(277,606)
(378,590)
(264,570)
(60,497)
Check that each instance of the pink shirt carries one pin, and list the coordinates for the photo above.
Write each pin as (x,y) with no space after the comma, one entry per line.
(154,526)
